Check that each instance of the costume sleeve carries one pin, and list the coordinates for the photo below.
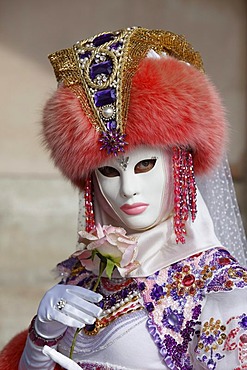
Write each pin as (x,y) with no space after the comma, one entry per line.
(11,354)
(33,358)
(222,342)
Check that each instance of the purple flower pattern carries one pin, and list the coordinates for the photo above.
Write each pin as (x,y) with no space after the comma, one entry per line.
(177,295)
(172,319)
(243,321)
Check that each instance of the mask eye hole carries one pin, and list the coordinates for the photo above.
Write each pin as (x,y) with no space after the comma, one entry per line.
(145,166)
(108,171)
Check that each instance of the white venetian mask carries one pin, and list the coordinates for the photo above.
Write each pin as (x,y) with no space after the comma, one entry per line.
(137,187)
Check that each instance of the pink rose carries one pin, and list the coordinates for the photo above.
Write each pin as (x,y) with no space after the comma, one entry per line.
(113,245)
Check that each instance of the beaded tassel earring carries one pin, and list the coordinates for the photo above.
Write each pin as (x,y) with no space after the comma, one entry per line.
(89,211)
(184,191)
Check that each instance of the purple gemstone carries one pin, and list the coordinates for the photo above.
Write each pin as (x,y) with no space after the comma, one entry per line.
(104,68)
(142,286)
(102,39)
(211,364)
(172,319)
(90,327)
(124,293)
(168,361)
(84,55)
(116,45)
(149,306)
(157,292)
(104,97)
(111,125)
(244,322)
(113,301)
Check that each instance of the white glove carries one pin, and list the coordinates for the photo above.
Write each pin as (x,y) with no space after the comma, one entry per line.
(61,306)
(79,309)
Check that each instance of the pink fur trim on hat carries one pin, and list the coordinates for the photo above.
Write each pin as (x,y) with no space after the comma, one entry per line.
(171,103)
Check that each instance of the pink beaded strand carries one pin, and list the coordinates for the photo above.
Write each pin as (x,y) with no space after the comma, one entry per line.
(184,191)
(191,186)
(89,211)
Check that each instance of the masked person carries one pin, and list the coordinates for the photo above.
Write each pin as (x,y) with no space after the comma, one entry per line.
(136,124)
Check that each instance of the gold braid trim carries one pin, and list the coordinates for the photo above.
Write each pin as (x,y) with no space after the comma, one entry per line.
(66,69)
(136,43)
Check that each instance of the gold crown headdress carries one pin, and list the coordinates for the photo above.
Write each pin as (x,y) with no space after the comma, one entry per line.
(104,67)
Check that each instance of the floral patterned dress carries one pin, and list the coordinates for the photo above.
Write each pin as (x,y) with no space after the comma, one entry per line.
(195,312)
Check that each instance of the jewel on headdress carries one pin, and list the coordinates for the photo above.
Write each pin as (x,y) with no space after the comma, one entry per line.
(102,39)
(84,55)
(107,112)
(113,141)
(116,45)
(104,68)
(111,125)
(104,97)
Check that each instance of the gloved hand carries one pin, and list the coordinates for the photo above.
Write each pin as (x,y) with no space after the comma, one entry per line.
(66,305)
(61,306)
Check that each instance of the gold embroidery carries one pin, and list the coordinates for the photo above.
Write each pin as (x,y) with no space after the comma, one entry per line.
(134,44)
(213,335)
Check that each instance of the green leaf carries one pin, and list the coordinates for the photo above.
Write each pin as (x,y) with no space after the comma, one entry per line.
(109,268)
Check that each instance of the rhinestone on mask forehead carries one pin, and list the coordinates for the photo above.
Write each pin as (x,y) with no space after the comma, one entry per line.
(123,161)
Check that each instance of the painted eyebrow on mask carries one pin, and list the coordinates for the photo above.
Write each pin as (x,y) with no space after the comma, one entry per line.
(142,166)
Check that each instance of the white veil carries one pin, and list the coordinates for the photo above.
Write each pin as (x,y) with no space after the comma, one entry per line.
(219,195)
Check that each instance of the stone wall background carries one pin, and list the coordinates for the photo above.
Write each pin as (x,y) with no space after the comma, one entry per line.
(38,209)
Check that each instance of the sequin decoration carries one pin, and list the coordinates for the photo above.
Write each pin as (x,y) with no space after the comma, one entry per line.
(218,338)
(211,342)
(174,298)
(89,211)
(184,191)
(183,282)
(95,366)
(104,66)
